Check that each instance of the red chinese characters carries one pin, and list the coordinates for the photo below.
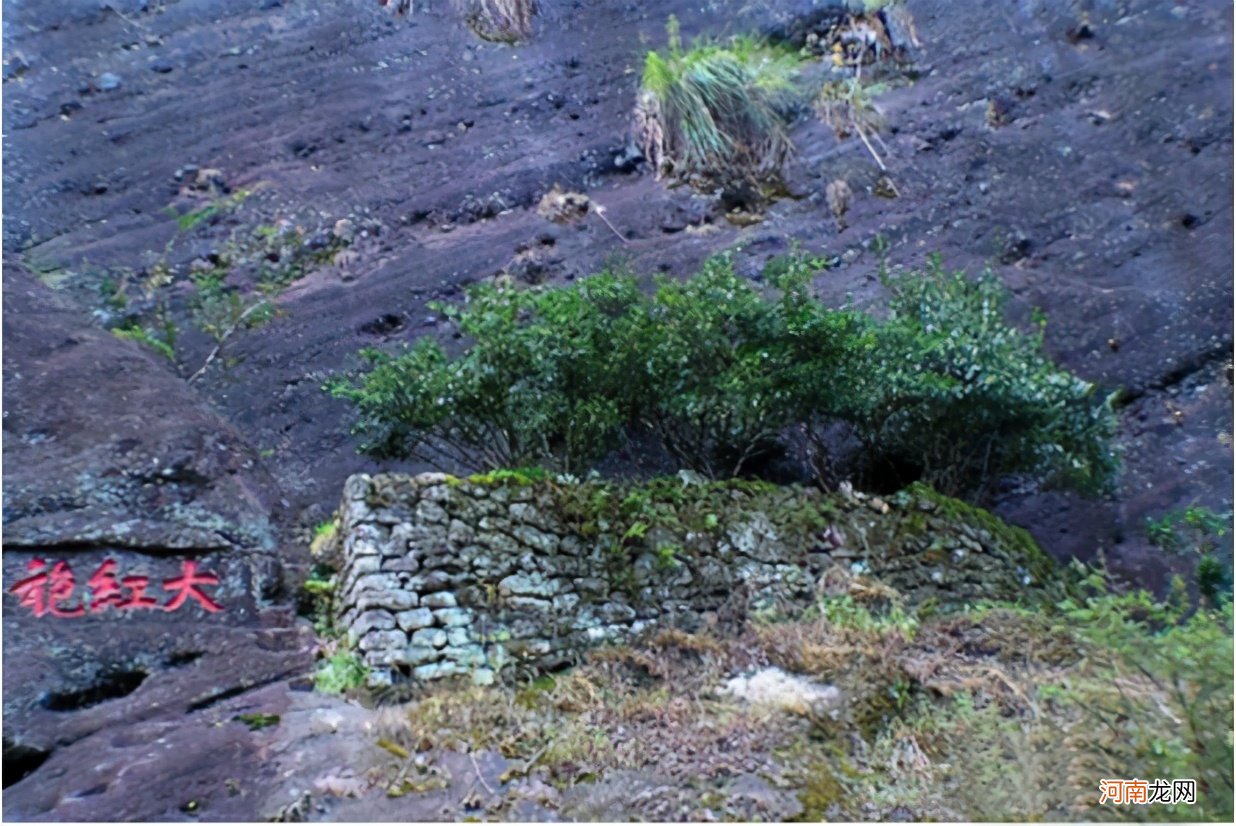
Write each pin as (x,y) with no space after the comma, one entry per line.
(31,591)
(50,591)
(45,592)
(106,590)
(185,586)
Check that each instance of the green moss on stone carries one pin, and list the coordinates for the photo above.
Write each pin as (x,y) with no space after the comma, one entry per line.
(1015,539)
(517,477)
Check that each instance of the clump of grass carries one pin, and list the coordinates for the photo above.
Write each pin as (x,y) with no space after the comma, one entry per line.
(318,599)
(1154,697)
(220,206)
(324,536)
(161,339)
(716,111)
(326,546)
(1000,709)
(257,721)
(340,672)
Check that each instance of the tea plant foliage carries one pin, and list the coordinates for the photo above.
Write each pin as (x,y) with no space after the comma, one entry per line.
(955,391)
(719,371)
(545,380)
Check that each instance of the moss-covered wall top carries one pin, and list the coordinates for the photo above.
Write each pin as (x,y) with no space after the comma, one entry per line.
(442,576)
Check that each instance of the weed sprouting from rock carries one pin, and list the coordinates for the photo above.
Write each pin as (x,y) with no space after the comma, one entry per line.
(1196,533)
(340,672)
(161,338)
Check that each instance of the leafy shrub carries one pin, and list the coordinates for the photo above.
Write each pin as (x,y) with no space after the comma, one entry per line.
(719,372)
(957,394)
(1195,532)
(1194,529)
(728,370)
(1003,711)
(546,380)
(221,310)
(1156,698)
(717,111)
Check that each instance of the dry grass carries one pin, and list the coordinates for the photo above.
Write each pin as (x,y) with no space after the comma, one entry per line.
(625,708)
(846,106)
(990,714)
(502,21)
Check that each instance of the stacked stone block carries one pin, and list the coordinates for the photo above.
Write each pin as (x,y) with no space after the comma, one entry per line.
(442,576)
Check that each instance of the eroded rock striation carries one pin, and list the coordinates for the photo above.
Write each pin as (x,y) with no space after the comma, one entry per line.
(442,576)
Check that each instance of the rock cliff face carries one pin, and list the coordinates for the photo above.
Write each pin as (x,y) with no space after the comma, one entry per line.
(442,576)
(144,587)
(1101,193)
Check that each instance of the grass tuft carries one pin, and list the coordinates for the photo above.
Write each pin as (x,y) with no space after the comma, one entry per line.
(717,111)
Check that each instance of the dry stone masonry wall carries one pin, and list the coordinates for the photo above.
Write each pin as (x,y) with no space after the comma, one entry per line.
(442,576)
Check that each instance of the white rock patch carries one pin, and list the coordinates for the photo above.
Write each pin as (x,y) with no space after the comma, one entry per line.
(787,692)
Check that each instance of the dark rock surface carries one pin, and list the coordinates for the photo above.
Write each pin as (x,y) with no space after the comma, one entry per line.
(106,446)
(1101,193)
(108,456)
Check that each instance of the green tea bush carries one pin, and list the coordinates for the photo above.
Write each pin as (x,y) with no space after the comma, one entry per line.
(548,379)
(959,395)
(720,372)
(728,370)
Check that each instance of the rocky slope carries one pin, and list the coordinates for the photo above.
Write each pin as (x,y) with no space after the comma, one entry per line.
(1100,192)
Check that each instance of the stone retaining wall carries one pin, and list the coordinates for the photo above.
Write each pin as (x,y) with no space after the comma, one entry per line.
(442,576)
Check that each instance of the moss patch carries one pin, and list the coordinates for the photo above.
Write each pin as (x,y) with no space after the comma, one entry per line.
(1018,540)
